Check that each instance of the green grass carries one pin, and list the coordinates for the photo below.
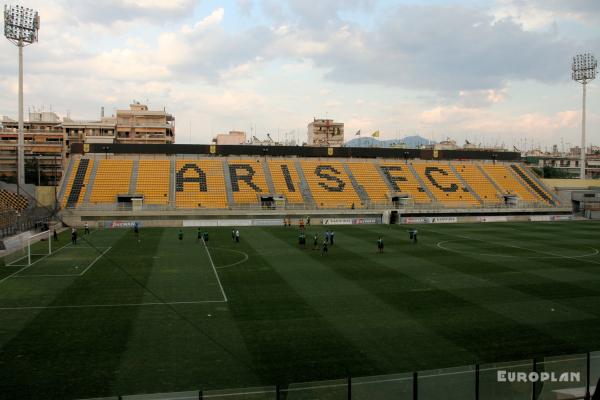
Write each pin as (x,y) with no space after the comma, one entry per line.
(464,294)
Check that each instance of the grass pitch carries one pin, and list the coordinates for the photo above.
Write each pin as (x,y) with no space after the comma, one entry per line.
(113,316)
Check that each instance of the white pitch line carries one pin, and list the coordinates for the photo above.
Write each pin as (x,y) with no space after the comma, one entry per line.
(111,305)
(246,257)
(441,246)
(36,261)
(63,275)
(94,262)
(44,276)
(215,270)
(16,261)
(577,258)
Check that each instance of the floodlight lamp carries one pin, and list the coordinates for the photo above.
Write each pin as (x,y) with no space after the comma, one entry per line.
(584,68)
(21,24)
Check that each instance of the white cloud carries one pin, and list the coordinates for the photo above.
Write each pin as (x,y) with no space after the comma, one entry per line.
(431,69)
(109,12)
(540,14)
(480,98)
(463,122)
(245,7)
(207,22)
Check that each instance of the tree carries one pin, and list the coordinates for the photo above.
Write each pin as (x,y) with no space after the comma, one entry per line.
(549,172)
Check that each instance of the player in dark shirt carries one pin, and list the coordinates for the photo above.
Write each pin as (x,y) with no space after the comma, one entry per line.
(380,244)
(413,235)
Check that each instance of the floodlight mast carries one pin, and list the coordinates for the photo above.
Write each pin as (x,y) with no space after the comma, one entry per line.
(584,68)
(21,27)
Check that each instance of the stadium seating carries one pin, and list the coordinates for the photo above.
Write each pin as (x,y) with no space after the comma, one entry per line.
(286,180)
(222,182)
(12,201)
(77,184)
(329,184)
(404,182)
(248,181)
(372,181)
(445,186)
(153,180)
(200,184)
(537,189)
(112,179)
(8,218)
(486,191)
(508,182)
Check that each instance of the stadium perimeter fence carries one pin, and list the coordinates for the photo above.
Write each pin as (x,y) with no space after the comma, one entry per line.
(22,224)
(551,378)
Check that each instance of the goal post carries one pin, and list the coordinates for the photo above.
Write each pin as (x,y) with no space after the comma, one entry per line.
(28,249)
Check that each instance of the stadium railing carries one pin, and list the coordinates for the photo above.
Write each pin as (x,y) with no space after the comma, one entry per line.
(537,379)
(363,206)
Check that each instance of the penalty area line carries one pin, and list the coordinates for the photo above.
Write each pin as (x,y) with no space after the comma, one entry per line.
(95,260)
(33,263)
(65,275)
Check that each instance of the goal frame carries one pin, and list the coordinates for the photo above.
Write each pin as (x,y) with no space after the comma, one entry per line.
(25,248)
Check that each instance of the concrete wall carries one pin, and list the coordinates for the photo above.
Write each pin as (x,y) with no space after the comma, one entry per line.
(45,196)
(571,183)
(592,214)
(178,218)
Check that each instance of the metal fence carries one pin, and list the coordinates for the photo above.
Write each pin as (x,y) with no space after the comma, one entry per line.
(18,224)
(551,378)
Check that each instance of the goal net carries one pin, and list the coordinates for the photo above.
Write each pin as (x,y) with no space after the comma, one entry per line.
(25,250)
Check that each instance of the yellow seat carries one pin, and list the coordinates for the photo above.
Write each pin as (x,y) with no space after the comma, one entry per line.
(445,186)
(286,180)
(329,184)
(200,184)
(112,179)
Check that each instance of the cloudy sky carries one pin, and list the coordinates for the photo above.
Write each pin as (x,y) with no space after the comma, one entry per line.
(490,71)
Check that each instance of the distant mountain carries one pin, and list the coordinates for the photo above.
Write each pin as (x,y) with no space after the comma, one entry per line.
(411,142)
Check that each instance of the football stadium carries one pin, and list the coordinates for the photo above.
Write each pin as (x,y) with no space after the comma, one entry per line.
(257,272)
(330,266)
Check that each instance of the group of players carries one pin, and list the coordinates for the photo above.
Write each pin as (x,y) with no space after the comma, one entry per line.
(328,236)
(201,235)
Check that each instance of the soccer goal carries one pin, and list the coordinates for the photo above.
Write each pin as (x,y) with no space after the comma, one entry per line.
(28,249)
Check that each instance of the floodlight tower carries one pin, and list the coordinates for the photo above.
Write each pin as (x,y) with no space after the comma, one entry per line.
(584,69)
(21,27)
